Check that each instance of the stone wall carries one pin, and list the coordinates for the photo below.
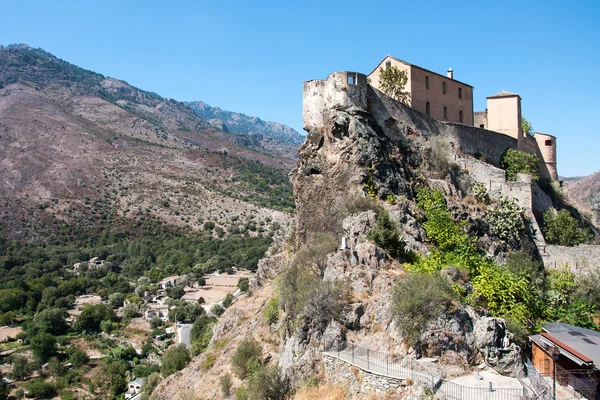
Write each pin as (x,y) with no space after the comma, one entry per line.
(580,259)
(397,120)
(359,382)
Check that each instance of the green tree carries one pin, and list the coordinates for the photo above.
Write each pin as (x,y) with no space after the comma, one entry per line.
(176,292)
(243,284)
(518,162)
(21,367)
(562,229)
(385,234)
(78,358)
(150,383)
(115,371)
(50,320)
(526,126)
(43,346)
(91,316)
(392,82)
(175,359)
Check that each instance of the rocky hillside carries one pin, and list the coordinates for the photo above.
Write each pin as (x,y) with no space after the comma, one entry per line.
(403,196)
(81,149)
(587,191)
(245,125)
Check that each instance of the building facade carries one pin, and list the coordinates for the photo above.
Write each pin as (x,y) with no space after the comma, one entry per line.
(503,114)
(441,97)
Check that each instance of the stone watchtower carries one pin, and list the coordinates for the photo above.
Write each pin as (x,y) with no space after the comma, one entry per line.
(340,91)
(546,145)
(504,115)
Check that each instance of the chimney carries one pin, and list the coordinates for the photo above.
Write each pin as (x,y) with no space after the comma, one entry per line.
(450,73)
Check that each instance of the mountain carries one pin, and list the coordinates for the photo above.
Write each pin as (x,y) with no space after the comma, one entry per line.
(81,150)
(245,125)
(587,190)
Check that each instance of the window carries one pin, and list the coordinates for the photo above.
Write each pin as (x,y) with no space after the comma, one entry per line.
(548,143)
(445,112)
(460,115)
(460,93)
(482,126)
(428,108)
(427,82)
(388,64)
(444,87)
(351,80)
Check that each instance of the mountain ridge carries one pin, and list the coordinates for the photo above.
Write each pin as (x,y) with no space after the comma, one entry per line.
(80,149)
(240,123)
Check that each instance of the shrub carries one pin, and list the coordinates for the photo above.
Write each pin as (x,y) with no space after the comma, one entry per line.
(518,162)
(228,300)
(243,284)
(505,294)
(175,359)
(438,156)
(150,382)
(267,384)
(78,358)
(271,311)
(418,299)
(505,219)
(480,192)
(324,303)
(21,368)
(358,203)
(217,310)
(562,229)
(225,381)
(40,389)
(208,362)
(248,351)
(385,234)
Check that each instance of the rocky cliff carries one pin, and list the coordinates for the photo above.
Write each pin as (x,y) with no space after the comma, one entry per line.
(363,145)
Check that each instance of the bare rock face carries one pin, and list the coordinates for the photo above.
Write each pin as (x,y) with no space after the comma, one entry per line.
(344,153)
(465,338)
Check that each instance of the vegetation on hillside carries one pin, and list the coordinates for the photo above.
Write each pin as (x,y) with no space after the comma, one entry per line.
(520,291)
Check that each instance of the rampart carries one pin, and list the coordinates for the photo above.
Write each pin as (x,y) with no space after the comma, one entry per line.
(350,91)
(580,259)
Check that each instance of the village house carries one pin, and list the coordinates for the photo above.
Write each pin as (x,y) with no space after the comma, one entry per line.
(134,388)
(93,263)
(152,313)
(168,282)
(569,355)
(441,97)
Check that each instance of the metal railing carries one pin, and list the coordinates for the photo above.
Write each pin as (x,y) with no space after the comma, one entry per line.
(578,383)
(540,385)
(391,366)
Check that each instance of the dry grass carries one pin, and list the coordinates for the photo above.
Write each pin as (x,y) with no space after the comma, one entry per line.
(325,392)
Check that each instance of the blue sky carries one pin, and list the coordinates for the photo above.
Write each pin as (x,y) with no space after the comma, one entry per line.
(252,57)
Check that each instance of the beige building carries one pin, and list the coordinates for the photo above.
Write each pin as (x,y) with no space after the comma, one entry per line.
(441,97)
(503,114)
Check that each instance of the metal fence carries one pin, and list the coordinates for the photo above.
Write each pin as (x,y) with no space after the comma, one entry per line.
(540,385)
(391,366)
